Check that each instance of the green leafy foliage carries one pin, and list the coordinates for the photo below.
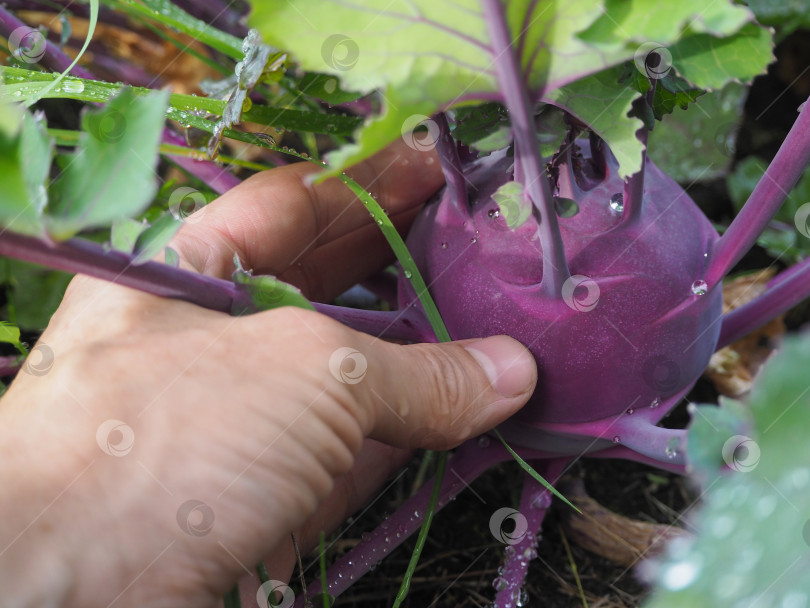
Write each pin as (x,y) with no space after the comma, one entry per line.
(112,173)
(429,56)
(25,159)
(699,143)
(788,236)
(267,292)
(32,293)
(753,538)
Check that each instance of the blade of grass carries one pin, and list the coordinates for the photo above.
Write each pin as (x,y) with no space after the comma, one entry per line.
(231,600)
(574,568)
(91,28)
(423,531)
(530,470)
(322,560)
(403,256)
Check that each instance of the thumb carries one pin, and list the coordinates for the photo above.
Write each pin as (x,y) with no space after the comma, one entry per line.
(435,396)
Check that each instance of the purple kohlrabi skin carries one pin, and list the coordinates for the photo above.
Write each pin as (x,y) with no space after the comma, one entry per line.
(632,325)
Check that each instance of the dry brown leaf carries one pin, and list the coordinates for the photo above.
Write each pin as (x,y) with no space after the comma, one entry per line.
(732,369)
(615,537)
(137,46)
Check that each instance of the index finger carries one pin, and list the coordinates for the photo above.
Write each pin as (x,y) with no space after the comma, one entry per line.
(275,217)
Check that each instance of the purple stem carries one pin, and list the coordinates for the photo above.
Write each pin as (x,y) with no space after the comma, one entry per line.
(771,191)
(10,365)
(384,285)
(633,195)
(85,257)
(92,259)
(409,324)
(220,180)
(534,504)
(527,150)
(468,462)
(785,290)
(451,164)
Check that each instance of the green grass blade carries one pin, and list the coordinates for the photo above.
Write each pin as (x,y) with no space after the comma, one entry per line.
(534,474)
(403,256)
(91,28)
(423,532)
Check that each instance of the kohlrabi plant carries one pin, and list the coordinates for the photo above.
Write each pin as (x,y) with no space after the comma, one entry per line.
(555,227)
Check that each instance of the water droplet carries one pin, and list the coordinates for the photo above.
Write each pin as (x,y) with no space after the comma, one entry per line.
(655,402)
(416,513)
(617,203)
(494,213)
(408,274)
(616,439)
(630,411)
(473,240)
(499,584)
(699,287)
(444,245)
(74,87)
(484,441)
(379,222)
(672,448)
(521,597)
(17,93)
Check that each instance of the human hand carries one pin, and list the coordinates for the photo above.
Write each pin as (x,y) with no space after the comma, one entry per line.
(169,447)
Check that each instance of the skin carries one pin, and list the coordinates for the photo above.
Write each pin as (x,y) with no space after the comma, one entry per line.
(241,414)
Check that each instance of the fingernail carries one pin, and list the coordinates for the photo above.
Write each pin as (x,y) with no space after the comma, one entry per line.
(511,369)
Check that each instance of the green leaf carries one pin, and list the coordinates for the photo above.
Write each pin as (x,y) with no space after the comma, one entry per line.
(598,102)
(112,172)
(753,524)
(26,151)
(267,292)
(9,334)
(699,143)
(710,63)
(326,88)
(710,428)
(124,233)
(512,204)
(485,127)
(152,240)
(428,57)
(33,292)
